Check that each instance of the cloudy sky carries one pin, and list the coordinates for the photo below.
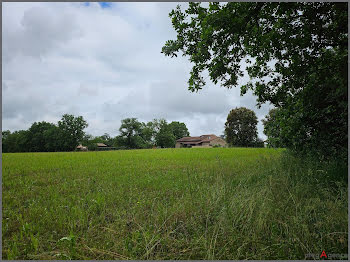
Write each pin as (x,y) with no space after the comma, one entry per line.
(103,62)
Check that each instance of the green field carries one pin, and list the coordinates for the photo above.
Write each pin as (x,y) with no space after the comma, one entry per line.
(215,203)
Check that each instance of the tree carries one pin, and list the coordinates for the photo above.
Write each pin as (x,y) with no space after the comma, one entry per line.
(148,134)
(179,129)
(39,139)
(52,137)
(158,124)
(296,55)
(71,131)
(46,137)
(135,134)
(131,133)
(5,135)
(15,142)
(272,129)
(158,136)
(121,142)
(240,127)
(165,137)
(86,138)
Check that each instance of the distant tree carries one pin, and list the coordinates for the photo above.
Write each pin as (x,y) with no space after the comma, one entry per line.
(131,133)
(241,127)
(5,135)
(165,137)
(148,133)
(272,128)
(52,138)
(71,130)
(179,129)
(86,138)
(121,142)
(15,142)
(158,124)
(46,137)
(39,140)
(105,137)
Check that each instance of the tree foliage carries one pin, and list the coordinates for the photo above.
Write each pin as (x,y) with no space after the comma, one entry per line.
(165,136)
(39,137)
(46,137)
(240,127)
(15,142)
(69,133)
(135,134)
(179,129)
(272,129)
(71,130)
(131,135)
(294,53)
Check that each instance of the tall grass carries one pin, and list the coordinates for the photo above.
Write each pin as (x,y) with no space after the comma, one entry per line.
(214,203)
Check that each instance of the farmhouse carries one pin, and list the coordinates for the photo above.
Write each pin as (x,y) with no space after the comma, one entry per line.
(200,141)
(81,148)
(102,146)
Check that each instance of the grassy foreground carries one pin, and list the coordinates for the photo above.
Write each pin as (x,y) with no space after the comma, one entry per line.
(216,203)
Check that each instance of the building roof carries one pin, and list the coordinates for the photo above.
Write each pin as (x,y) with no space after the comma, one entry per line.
(191,142)
(197,139)
(189,139)
(101,144)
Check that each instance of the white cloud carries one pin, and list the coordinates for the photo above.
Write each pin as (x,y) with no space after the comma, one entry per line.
(103,64)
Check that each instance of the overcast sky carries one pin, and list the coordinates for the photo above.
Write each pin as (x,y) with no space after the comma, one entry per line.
(103,62)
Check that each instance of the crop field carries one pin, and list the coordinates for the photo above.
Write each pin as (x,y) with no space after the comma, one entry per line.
(214,203)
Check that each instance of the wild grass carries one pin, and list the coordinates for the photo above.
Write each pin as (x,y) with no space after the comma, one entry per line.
(216,203)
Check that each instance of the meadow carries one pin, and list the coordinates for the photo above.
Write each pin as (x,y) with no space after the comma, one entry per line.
(214,203)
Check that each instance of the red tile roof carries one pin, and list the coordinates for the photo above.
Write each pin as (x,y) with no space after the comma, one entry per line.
(189,139)
(196,139)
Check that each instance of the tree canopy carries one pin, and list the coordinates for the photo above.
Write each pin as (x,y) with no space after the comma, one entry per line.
(39,136)
(135,134)
(165,136)
(179,129)
(46,137)
(68,133)
(272,129)
(131,130)
(294,53)
(240,127)
(71,129)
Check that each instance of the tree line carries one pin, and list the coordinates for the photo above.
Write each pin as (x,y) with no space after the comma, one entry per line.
(68,133)
(46,137)
(139,135)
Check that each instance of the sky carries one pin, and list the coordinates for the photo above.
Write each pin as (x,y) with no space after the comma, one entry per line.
(103,61)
